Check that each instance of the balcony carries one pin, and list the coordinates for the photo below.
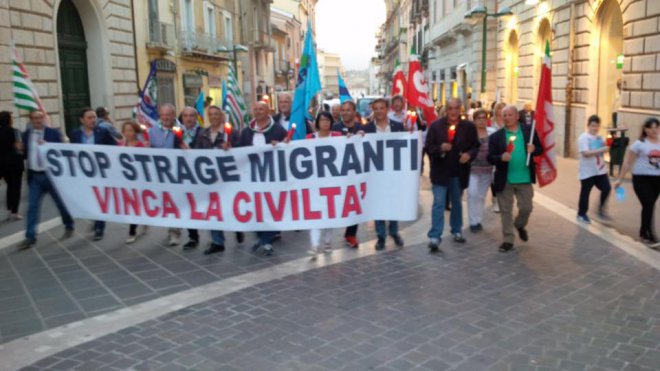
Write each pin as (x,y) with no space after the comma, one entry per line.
(262,40)
(161,36)
(202,45)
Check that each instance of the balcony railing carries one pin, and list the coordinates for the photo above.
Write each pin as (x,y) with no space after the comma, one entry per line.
(161,35)
(201,42)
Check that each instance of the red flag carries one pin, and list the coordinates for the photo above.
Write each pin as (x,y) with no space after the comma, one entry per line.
(418,90)
(399,82)
(546,164)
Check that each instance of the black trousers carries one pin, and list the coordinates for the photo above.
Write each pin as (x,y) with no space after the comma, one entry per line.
(602,182)
(193,234)
(647,189)
(14,181)
(351,231)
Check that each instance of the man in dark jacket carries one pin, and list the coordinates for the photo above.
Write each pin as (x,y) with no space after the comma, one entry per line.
(90,133)
(38,182)
(507,150)
(382,124)
(190,130)
(452,144)
(262,131)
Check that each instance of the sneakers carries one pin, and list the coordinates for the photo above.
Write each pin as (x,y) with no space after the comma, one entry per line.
(98,236)
(15,217)
(352,242)
(68,233)
(380,244)
(434,245)
(327,248)
(26,244)
(192,244)
(268,249)
(131,238)
(173,240)
(314,250)
(496,205)
(397,240)
(506,247)
(215,247)
(584,219)
(476,228)
(522,233)
(458,237)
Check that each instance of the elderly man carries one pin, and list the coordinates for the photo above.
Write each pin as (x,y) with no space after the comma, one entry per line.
(283,115)
(163,136)
(38,182)
(452,144)
(398,112)
(262,131)
(335,111)
(191,130)
(507,150)
(382,124)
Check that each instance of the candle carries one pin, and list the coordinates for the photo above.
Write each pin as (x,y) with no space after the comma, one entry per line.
(452,133)
(227,131)
(178,132)
(413,120)
(407,118)
(145,133)
(609,140)
(510,147)
(291,131)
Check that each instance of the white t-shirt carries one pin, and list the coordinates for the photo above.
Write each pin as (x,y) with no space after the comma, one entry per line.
(648,158)
(594,165)
(258,139)
(387,129)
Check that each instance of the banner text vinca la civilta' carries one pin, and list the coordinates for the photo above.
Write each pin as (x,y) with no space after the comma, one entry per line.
(321,183)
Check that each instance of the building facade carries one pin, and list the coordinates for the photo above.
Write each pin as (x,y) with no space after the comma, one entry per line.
(78,53)
(329,65)
(605,56)
(394,41)
(288,44)
(302,10)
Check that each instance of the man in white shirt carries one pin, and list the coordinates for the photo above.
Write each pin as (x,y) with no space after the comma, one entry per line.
(592,170)
(398,112)
(38,182)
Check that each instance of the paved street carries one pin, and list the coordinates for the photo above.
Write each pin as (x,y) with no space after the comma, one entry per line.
(566,300)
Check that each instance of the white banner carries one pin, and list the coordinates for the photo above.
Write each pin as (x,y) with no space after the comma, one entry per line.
(320,183)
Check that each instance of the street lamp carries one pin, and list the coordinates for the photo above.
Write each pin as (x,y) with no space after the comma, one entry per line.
(478,13)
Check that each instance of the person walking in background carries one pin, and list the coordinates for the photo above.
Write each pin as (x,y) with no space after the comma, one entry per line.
(191,130)
(592,170)
(284,102)
(643,161)
(89,133)
(324,123)
(213,137)
(38,182)
(452,143)
(507,150)
(481,173)
(11,163)
(398,112)
(131,131)
(527,114)
(335,110)
(497,122)
(383,124)
(104,121)
(164,135)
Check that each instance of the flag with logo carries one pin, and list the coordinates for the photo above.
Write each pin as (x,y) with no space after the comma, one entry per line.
(544,123)
(146,112)
(232,101)
(344,94)
(308,85)
(399,81)
(418,89)
(25,95)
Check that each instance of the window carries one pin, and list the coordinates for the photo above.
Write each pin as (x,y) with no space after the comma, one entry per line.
(209,19)
(154,25)
(187,15)
(229,28)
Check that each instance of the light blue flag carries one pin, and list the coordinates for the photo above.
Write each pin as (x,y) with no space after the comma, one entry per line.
(199,106)
(344,94)
(223,103)
(308,85)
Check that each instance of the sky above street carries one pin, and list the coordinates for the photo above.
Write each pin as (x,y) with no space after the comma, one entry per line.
(348,27)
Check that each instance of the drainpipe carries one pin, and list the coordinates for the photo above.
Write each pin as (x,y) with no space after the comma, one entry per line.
(135,47)
(568,126)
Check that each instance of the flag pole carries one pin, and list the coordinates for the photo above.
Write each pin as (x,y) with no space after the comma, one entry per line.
(531,140)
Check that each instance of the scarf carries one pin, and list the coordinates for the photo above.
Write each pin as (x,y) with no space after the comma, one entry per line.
(253,126)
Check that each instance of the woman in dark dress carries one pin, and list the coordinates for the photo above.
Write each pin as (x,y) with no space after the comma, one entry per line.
(11,163)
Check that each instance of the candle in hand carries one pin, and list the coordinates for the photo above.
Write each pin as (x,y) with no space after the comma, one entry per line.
(609,140)
(178,132)
(291,131)
(145,133)
(510,147)
(452,133)
(413,120)
(227,131)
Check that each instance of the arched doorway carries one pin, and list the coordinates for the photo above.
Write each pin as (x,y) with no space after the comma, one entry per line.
(543,36)
(511,64)
(609,42)
(72,49)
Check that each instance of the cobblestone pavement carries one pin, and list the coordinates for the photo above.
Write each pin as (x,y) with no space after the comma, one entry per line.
(565,300)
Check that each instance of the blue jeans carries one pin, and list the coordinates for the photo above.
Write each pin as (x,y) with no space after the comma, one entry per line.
(266,238)
(438,209)
(380,228)
(218,237)
(38,186)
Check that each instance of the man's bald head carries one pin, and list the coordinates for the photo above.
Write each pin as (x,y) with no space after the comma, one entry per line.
(260,110)
(510,115)
(189,117)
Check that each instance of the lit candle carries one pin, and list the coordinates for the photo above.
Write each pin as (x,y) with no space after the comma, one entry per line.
(145,133)
(413,121)
(227,131)
(609,140)
(178,132)
(407,118)
(291,131)
(510,147)
(452,133)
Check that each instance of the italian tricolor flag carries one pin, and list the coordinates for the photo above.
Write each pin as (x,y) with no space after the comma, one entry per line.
(546,164)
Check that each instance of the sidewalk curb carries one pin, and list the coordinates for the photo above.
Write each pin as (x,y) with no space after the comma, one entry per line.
(608,234)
